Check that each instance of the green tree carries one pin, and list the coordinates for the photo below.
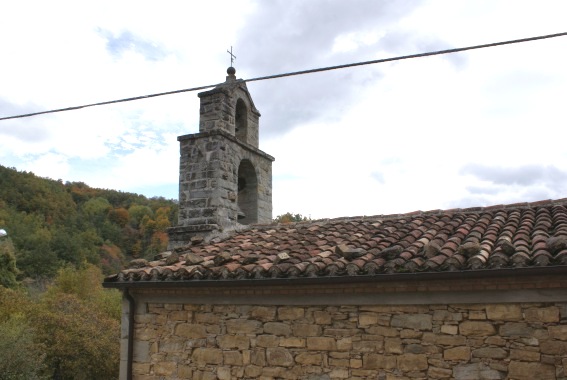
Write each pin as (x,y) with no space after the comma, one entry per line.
(86,284)
(8,270)
(138,212)
(288,217)
(20,357)
(81,342)
(78,322)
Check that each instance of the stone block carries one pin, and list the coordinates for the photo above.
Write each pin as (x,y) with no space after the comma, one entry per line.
(450,329)
(322,317)
(412,321)
(207,318)
(190,331)
(141,368)
(410,334)
(525,355)
(232,358)
(412,362)
(277,328)
(204,356)
(273,372)
(355,363)
(258,357)
(382,331)
(184,372)
(516,329)
(338,362)
(290,313)
(267,341)
(378,361)
(263,313)
(292,342)
(179,316)
(438,373)
(305,358)
(474,328)
(476,371)
(490,352)
(558,332)
(145,334)
(341,332)
(543,314)
(495,341)
(447,316)
(553,347)
(304,330)
(339,373)
(321,343)
(243,326)
(223,373)
(252,371)
(457,353)
(444,340)
(367,319)
(344,344)
(504,312)
(393,346)
(368,345)
(241,342)
(477,315)
(170,345)
(529,371)
(415,348)
(165,368)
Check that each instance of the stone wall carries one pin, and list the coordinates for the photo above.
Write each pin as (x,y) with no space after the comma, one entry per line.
(460,341)
(208,183)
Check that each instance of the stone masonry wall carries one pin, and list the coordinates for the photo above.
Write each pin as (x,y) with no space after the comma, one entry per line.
(208,183)
(496,341)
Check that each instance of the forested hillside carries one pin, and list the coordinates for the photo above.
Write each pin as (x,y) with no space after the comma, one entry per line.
(56,320)
(52,224)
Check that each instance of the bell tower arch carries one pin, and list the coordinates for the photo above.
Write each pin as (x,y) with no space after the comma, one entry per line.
(225,180)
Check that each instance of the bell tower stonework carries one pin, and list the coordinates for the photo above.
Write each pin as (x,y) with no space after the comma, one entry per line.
(224,179)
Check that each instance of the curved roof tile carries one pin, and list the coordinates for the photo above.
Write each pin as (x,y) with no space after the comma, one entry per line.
(497,237)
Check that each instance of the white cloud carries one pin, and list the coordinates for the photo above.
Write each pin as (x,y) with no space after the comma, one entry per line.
(376,139)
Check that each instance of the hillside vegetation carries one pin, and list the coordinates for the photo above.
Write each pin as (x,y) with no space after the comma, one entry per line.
(56,320)
(52,224)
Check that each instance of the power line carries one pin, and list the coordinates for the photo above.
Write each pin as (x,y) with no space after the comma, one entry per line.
(294,73)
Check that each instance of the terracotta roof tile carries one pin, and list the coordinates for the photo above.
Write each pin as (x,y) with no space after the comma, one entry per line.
(503,236)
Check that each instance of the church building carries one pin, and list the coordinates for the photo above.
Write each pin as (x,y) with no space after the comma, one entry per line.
(476,293)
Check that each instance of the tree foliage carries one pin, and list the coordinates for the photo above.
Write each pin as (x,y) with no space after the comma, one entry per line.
(21,358)
(8,270)
(70,332)
(289,217)
(53,224)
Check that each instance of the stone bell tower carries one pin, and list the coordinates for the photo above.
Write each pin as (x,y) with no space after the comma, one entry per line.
(224,179)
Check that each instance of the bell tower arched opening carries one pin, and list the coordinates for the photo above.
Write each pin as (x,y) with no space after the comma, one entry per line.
(241,121)
(247,193)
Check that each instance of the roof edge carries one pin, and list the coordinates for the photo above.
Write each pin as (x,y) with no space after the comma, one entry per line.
(424,276)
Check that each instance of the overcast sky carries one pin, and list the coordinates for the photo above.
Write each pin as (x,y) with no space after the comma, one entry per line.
(469,129)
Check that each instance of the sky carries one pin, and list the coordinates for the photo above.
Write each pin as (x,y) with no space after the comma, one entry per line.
(475,128)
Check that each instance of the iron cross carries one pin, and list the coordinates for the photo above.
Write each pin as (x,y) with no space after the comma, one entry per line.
(232,56)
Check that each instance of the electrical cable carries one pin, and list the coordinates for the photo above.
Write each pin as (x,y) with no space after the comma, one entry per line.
(294,73)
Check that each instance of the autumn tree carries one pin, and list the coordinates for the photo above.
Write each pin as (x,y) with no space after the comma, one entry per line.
(288,217)
(74,311)
(21,357)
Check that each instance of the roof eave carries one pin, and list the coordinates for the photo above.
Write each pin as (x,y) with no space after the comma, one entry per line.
(421,276)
